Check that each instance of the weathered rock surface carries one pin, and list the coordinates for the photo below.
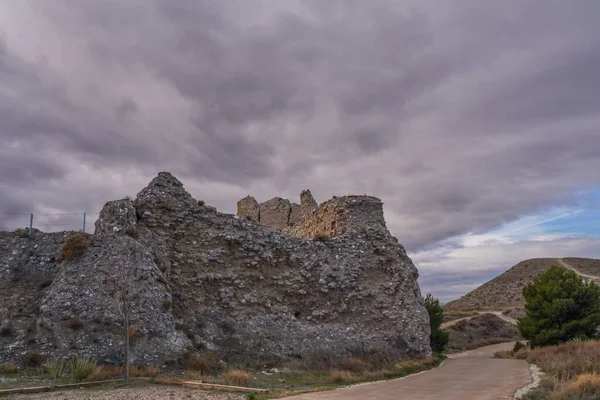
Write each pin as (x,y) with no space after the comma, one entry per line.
(220,282)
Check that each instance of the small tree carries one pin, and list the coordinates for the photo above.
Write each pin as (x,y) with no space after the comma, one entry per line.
(124,293)
(560,306)
(438,338)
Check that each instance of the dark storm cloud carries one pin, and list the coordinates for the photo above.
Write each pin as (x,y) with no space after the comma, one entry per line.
(461,115)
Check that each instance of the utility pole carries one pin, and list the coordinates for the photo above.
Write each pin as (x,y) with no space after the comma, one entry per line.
(30,224)
(84,214)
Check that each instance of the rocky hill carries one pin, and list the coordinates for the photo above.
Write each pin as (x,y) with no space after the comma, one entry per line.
(505,291)
(332,282)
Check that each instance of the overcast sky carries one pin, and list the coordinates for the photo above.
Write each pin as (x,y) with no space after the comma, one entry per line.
(477,122)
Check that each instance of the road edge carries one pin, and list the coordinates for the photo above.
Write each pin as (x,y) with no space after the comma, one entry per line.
(536,376)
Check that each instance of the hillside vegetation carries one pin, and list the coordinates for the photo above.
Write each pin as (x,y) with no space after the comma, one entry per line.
(505,291)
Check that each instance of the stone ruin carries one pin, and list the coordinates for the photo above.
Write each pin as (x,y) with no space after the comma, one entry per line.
(277,282)
(277,213)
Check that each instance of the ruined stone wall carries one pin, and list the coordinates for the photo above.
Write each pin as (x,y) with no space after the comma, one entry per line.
(277,213)
(308,220)
(212,281)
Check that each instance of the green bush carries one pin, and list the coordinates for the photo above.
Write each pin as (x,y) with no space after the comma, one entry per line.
(33,359)
(518,346)
(81,368)
(560,306)
(54,368)
(438,338)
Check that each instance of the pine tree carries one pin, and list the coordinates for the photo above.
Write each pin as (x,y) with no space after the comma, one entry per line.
(438,338)
(560,306)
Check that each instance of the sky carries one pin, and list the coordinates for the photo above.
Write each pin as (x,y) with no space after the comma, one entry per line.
(476,122)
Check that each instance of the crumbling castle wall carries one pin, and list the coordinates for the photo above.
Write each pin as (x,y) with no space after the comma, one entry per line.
(277,213)
(212,281)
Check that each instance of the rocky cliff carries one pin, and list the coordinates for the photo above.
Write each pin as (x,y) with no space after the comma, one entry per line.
(331,280)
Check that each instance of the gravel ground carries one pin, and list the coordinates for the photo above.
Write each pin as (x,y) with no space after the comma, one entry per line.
(144,393)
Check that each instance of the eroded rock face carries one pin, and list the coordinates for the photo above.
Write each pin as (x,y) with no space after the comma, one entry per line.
(225,283)
(275,213)
(249,208)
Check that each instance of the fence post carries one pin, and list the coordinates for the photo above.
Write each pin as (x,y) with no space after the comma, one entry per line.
(30,224)
(84,222)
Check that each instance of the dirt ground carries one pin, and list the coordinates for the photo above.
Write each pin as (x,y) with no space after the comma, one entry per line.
(144,393)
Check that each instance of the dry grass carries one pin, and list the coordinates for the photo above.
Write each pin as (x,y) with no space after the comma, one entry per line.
(568,360)
(74,324)
(355,365)
(74,247)
(9,368)
(237,377)
(132,332)
(339,376)
(416,365)
(106,372)
(504,354)
(206,364)
(571,370)
(587,385)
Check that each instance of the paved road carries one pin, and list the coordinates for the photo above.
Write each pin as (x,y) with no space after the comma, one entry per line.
(472,375)
(496,313)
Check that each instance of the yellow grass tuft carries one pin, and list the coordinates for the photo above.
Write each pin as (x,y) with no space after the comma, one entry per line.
(237,377)
(339,376)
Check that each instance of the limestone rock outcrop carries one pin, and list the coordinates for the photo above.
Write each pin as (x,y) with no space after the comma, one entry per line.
(335,282)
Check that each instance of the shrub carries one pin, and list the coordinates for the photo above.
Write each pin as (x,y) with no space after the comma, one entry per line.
(167,304)
(321,237)
(74,247)
(584,387)
(416,365)
(237,377)
(354,365)
(132,332)
(33,359)
(150,371)
(201,202)
(518,346)
(504,354)
(9,368)
(567,360)
(54,368)
(560,306)
(81,368)
(438,338)
(6,330)
(338,376)
(106,372)
(74,324)
(207,363)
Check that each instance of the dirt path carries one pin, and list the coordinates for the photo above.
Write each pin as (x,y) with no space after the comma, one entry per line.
(568,266)
(496,313)
(472,375)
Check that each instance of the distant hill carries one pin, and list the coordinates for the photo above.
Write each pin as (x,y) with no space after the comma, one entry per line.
(504,291)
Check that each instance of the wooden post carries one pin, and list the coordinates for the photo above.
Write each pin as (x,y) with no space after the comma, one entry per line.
(84,214)
(126,309)
(30,224)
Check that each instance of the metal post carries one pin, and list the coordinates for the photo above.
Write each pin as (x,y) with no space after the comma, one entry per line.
(84,222)
(31,224)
